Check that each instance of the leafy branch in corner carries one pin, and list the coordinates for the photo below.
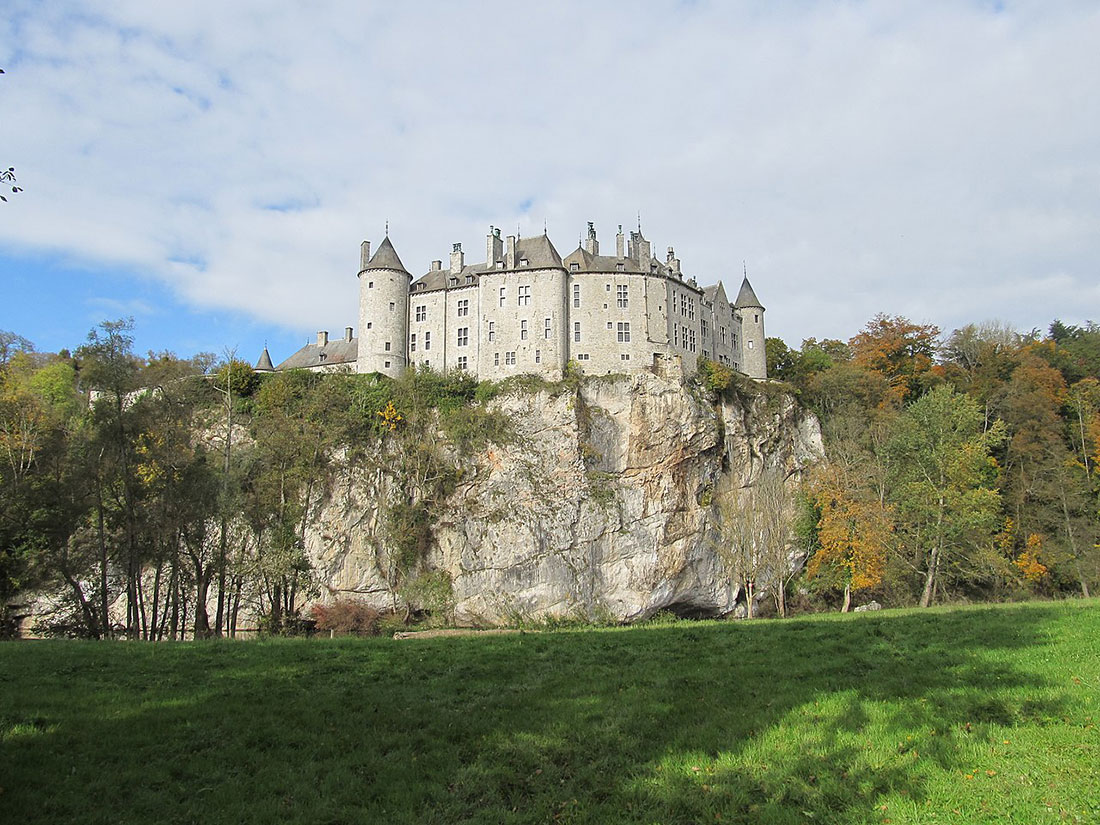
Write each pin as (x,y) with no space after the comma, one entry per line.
(7,177)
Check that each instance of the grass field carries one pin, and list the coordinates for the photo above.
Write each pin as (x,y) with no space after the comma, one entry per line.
(984,714)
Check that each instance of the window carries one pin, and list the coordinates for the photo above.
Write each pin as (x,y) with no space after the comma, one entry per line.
(462,362)
(496,359)
(750,344)
(622,332)
(624,356)
(469,279)
(412,342)
(524,262)
(675,335)
(582,356)
(610,325)
(509,358)
(387,346)
(492,330)
(622,297)
(427,340)
(576,295)
(691,339)
(524,297)
(538,356)
(722,334)
(683,304)
(576,330)
(392,305)
(523,330)
(387,364)
(574,267)
(706,354)
(691,310)
(546,329)
(463,308)
(370,285)
(607,287)
(620,267)
(463,336)
(756,318)
(369,324)
(502,294)
(703,327)
(422,313)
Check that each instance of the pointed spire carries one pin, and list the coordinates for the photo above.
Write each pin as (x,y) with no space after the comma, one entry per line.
(264,364)
(386,257)
(746,297)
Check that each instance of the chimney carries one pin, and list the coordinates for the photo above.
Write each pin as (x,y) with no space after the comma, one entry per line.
(494,248)
(672,261)
(322,337)
(619,240)
(364,255)
(591,245)
(347,334)
(510,256)
(458,259)
(437,266)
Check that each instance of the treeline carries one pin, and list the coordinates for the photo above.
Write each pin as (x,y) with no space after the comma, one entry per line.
(959,467)
(166,498)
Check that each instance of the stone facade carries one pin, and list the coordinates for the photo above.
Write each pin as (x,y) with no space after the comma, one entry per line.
(525,309)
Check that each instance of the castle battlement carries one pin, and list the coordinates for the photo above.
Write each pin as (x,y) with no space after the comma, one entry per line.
(525,309)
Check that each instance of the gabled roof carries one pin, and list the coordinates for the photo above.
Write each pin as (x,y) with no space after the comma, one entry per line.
(264,364)
(746,297)
(334,352)
(386,258)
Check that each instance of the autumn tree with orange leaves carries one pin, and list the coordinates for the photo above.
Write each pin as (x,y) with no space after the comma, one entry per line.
(900,351)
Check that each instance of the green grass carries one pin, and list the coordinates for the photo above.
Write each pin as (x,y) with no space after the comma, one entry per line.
(951,715)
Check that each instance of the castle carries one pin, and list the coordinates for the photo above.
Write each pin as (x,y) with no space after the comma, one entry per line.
(525,309)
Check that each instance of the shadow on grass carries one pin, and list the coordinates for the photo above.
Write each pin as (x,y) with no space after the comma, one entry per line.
(814,719)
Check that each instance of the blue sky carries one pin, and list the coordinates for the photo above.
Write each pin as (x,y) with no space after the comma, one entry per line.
(211,168)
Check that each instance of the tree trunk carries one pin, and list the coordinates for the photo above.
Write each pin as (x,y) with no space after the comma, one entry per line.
(930,579)
(847,597)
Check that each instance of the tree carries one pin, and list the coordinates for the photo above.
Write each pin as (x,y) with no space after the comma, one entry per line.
(854,532)
(899,350)
(944,477)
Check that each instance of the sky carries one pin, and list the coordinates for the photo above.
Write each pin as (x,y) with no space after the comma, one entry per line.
(210,168)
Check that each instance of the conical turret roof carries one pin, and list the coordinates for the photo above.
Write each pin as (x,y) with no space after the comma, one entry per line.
(264,364)
(386,258)
(746,297)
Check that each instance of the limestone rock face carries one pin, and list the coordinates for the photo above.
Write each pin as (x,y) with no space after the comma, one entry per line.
(600,507)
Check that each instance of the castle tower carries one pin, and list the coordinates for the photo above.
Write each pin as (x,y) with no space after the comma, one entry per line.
(383,311)
(754,360)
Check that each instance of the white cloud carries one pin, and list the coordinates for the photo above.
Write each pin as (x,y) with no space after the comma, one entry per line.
(930,159)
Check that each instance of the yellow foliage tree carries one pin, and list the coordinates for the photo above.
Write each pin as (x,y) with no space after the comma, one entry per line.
(854,532)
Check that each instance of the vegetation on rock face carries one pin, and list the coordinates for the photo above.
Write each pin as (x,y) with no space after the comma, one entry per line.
(975,715)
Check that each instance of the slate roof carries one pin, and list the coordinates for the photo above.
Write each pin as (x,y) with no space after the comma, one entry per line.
(334,352)
(386,257)
(746,297)
(539,252)
(264,364)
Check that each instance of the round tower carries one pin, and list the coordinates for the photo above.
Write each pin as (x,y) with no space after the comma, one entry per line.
(754,359)
(383,311)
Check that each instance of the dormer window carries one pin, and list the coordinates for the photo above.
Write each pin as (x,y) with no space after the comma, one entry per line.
(453,281)
(620,267)
(524,262)
(469,279)
(574,267)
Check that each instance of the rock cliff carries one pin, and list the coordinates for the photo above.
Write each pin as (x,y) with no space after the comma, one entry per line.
(600,506)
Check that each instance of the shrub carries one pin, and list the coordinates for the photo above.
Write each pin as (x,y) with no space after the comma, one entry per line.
(346,617)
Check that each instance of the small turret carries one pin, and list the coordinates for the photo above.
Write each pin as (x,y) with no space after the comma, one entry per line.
(264,364)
